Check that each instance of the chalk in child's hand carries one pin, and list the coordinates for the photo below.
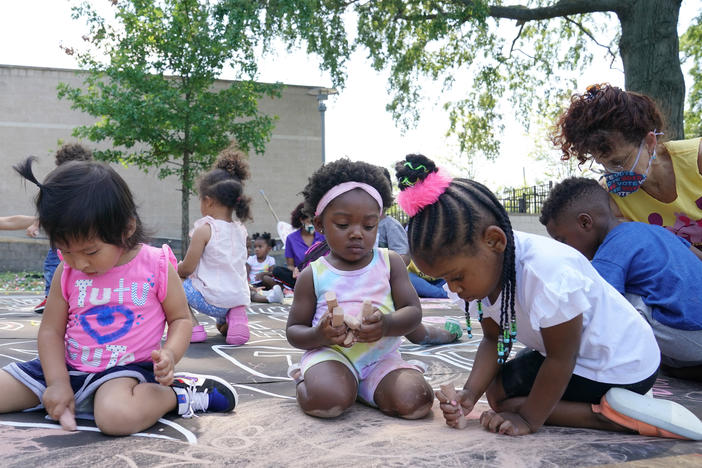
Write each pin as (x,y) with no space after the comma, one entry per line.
(449,391)
(67,420)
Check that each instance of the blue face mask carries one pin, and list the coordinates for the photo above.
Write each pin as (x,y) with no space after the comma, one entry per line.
(625,183)
(309,228)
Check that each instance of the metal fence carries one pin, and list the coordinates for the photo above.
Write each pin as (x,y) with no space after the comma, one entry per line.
(396,212)
(526,199)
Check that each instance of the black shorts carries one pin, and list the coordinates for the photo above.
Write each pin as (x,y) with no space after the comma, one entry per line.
(518,376)
(284,275)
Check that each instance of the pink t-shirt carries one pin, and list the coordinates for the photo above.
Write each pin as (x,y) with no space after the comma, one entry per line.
(116,318)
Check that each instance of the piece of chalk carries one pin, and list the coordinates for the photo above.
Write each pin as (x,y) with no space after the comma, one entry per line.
(67,420)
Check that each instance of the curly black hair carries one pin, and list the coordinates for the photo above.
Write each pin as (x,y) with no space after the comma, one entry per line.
(345,170)
(225,182)
(73,152)
(297,215)
(266,237)
(570,191)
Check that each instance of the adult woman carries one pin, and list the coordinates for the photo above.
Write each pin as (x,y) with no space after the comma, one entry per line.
(296,244)
(620,130)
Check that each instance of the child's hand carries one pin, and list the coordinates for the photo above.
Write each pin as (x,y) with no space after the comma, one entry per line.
(372,327)
(455,411)
(60,404)
(164,364)
(334,335)
(505,423)
(295,272)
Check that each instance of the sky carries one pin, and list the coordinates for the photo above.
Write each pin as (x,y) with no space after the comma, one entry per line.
(357,124)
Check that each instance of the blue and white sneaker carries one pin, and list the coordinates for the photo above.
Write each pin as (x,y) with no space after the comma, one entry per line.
(196,392)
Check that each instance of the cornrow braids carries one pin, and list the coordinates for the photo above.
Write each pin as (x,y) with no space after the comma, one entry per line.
(452,223)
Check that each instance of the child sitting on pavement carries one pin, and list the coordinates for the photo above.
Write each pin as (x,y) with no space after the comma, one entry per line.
(658,272)
(111,297)
(214,266)
(259,264)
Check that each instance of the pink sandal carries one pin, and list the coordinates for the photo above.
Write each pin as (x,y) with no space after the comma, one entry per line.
(238,326)
(199,334)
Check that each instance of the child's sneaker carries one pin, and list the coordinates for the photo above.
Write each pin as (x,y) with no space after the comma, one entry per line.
(649,416)
(199,334)
(39,308)
(453,327)
(276,294)
(197,392)
(237,326)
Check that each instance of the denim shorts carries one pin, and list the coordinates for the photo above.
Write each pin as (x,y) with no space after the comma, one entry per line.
(84,384)
(518,376)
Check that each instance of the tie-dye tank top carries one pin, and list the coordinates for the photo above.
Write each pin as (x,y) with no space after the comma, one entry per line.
(371,282)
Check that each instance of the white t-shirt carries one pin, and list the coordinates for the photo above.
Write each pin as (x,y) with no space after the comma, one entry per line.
(220,276)
(554,284)
(256,267)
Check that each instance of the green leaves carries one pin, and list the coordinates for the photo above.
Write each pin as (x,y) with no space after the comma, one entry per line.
(150,80)
(691,54)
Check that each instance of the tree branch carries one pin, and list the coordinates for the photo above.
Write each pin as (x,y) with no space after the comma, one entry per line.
(519,33)
(561,8)
(589,34)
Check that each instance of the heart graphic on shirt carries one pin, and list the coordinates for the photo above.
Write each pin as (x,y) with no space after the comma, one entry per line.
(105,316)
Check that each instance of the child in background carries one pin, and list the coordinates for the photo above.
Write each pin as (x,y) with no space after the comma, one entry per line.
(585,338)
(347,199)
(658,272)
(99,340)
(214,266)
(66,153)
(16,222)
(259,264)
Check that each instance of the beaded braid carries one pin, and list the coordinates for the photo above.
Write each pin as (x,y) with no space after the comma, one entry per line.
(451,222)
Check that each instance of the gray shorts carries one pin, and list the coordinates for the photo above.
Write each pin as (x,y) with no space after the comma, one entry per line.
(679,348)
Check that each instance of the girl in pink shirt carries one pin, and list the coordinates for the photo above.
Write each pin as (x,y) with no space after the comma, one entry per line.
(99,340)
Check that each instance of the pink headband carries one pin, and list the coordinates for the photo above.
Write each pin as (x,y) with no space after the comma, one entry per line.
(343,188)
(426,192)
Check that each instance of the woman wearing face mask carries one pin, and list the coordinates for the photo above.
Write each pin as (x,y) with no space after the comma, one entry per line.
(649,180)
(296,244)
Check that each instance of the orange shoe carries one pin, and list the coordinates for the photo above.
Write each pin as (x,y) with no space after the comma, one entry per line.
(649,416)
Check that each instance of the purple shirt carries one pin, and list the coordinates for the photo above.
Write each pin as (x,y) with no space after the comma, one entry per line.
(295,247)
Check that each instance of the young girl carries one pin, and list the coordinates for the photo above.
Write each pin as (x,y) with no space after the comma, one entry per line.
(260,262)
(100,337)
(215,264)
(347,199)
(585,338)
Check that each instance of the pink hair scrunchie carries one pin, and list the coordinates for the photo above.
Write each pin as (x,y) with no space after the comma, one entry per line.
(426,192)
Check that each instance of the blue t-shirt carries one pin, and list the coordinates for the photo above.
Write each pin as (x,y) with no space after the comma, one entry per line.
(652,262)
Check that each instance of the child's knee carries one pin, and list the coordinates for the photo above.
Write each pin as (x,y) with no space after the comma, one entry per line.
(413,400)
(115,419)
(324,403)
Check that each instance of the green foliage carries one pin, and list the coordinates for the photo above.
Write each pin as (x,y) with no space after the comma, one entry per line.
(691,51)
(484,53)
(150,80)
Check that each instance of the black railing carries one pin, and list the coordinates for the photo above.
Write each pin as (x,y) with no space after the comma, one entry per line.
(526,199)
(396,212)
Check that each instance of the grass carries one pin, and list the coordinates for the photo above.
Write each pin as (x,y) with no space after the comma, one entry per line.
(24,281)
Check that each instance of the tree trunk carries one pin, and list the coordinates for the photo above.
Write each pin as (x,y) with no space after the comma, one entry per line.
(185,205)
(649,50)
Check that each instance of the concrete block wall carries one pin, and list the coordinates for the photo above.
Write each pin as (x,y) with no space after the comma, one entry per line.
(18,254)
(33,121)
